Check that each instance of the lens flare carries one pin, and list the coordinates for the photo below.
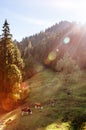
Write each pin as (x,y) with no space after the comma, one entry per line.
(66,40)
(57,50)
(52,55)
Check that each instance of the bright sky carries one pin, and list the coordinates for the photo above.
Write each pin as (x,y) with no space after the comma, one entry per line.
(27,17)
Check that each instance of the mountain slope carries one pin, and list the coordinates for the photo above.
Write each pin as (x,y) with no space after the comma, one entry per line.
(36,48)
(46,87)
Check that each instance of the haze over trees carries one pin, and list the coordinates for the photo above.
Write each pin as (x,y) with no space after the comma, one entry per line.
(61,38)
(68,70)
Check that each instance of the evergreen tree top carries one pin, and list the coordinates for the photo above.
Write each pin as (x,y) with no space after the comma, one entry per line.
(5,23)
(6,31)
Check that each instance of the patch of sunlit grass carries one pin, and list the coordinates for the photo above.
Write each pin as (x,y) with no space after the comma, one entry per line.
(56,126)
(10,119)
(84,126)
(6,121)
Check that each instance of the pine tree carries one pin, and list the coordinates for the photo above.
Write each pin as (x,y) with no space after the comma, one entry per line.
(11,63)
(6,30)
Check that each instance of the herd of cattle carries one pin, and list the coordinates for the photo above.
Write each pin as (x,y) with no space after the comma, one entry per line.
(27,110)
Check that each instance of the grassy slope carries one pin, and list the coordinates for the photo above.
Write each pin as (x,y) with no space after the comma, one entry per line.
(44,86)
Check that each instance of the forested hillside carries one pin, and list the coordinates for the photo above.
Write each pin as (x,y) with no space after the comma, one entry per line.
(48,47)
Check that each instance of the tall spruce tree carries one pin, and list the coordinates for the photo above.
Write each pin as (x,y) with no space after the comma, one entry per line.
(6,30)
(11,63)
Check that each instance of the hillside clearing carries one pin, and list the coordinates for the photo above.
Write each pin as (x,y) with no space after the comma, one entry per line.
(45,87)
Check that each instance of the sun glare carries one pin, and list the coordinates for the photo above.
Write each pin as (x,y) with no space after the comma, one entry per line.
(76,8)
(52,55)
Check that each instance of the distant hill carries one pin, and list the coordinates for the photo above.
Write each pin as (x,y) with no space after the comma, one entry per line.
(67,37)
(57,28)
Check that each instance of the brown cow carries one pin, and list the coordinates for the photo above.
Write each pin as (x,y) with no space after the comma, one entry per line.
(38,105)
(26,110)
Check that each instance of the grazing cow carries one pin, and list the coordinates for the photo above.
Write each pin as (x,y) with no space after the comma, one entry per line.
(38,105)
(26,110)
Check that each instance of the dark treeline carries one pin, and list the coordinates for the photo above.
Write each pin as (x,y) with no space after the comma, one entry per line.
(36,49)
